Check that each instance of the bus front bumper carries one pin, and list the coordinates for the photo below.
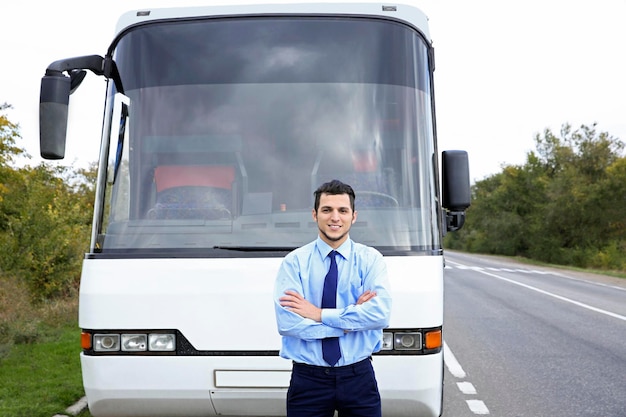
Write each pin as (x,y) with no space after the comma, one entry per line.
(239,386)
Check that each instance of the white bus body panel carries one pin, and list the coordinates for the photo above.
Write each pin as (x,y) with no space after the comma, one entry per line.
(409,14)
(226,304)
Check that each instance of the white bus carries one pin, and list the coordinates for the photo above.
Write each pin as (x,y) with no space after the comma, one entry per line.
(219,123)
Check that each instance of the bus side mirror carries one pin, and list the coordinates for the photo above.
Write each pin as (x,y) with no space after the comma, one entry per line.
(53,110)
(455,187)
(55,93)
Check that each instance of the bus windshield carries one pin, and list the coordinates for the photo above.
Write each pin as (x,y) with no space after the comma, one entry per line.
(226,126)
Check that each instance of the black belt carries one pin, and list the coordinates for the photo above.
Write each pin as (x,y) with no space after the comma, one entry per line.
(332,369)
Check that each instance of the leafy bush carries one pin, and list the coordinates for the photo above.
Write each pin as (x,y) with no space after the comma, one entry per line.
(46,231)
(22,322)
(45,216)
(564,205)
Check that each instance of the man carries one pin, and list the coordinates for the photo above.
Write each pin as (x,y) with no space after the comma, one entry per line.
(330,333)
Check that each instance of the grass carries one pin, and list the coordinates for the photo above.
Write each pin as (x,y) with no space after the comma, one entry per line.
(41,379)
(611,273)
(39,354)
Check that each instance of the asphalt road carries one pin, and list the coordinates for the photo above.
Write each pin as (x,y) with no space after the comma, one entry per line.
(526,341)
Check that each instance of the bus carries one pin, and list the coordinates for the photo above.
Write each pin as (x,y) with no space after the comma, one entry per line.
(219,122)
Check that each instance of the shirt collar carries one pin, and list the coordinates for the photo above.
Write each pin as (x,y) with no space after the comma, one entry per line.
(324,249)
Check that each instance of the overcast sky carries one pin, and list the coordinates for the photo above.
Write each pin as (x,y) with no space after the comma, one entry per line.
(506,70)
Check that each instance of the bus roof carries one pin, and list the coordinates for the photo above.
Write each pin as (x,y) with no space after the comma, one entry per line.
(401,12)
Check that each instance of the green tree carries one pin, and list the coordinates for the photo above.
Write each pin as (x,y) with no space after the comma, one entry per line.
(503,205)
(564,205)
(9,134)
(45,213)
(48,231)
(575,215)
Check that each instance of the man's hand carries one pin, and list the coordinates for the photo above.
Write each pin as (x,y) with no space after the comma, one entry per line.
(299,305)
(365,297)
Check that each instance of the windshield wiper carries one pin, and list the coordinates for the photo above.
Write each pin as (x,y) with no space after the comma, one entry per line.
(256,248)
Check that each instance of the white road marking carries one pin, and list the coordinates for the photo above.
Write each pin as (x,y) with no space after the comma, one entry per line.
(558,297)
(453,365)
(533,271)
(477,407)
(466,388)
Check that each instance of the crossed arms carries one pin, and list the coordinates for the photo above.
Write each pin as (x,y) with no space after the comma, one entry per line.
(296,303)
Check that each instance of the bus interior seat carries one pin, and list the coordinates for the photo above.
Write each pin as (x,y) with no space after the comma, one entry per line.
(193,192)
(370,184)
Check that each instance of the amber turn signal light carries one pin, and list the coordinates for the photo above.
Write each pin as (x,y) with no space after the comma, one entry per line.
(432,339)
(85,340)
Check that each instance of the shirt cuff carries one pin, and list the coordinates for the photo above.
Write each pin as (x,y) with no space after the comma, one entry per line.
(330,317)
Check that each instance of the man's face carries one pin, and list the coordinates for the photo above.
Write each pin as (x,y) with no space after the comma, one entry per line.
(334,218)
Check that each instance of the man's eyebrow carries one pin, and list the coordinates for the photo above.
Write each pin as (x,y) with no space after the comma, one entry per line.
(338,208)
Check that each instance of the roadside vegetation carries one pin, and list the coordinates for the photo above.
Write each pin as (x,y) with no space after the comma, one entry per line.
(564,206)
(45,216)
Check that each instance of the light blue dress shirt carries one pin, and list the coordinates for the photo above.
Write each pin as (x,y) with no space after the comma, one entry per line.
(359,327)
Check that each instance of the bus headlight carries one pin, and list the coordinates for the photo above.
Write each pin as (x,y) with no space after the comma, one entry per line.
(134,342)
(162,342)
(106,342)
(407,341)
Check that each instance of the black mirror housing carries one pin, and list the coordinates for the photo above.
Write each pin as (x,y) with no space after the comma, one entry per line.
(455,188)
(455,180)
(53,112)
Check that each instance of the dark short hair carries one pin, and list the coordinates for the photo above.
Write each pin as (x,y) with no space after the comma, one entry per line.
(334,187)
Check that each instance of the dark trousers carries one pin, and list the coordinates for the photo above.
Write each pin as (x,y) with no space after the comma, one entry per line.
(317,391)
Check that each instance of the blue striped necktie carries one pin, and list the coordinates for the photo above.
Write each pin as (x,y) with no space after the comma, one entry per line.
(330,345)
